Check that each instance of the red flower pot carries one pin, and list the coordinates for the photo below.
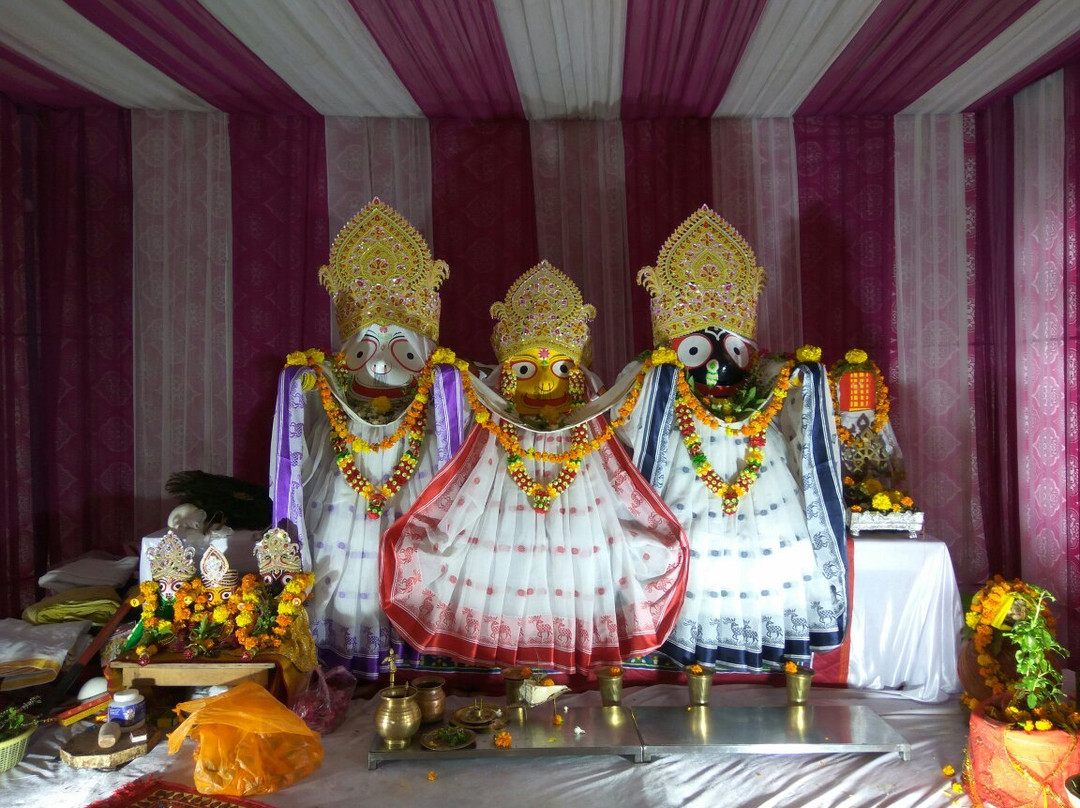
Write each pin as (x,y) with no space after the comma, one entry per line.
(1010,768)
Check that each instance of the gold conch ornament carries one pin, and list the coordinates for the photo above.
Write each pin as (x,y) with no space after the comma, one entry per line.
(215,570)
(171,563)
(542,308)
(381,271)
(706,275)
(278,555)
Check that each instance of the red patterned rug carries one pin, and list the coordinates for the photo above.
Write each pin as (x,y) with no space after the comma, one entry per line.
(150,792)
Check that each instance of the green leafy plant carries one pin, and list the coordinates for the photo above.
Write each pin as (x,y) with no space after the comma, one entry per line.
(1039,680)
(1035,699)
(15,719)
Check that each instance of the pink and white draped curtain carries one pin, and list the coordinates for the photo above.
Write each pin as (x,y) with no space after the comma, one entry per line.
(869,228)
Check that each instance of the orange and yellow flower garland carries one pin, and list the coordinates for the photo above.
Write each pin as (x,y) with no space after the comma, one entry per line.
(250,619)
(857,359)
(688,408)
(344,443)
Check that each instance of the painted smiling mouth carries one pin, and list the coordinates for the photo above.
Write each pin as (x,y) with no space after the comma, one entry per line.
(719,390)
(373,391)
(544,402)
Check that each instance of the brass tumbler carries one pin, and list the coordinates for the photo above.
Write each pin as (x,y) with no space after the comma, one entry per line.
(431,697)
(798,687)
(610,686)
(700,685)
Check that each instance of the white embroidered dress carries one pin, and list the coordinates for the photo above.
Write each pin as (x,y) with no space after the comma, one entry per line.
(473,572)
(768,582)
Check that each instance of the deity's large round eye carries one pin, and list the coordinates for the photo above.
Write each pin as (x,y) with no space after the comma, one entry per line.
(359,354)
(562,368)
(225,595)
(406,355)
(738,349)
(523,369)
(693,350)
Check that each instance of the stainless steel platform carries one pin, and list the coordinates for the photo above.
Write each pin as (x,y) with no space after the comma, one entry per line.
(644,733)
(808,730)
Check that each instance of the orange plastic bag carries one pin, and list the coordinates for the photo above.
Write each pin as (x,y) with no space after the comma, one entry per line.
(248,742)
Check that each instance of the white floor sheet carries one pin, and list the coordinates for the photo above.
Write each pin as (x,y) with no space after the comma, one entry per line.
(937,734)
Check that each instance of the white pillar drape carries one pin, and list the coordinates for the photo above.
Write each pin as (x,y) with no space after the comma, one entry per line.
(1039,127)
(182,317)
(933,395)
(755,187)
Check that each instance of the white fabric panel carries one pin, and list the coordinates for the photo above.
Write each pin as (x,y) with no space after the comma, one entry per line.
(793,45)
(390,159)
(567,55)
(73,48)
(182,319)
(755,186)
(323,51)
(905,618)
(576,163)
(1039,245)
(934,390)
(1027,40)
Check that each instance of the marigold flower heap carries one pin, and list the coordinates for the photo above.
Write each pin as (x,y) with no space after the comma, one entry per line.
(193,623)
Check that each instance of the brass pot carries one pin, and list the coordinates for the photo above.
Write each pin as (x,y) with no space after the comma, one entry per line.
(431,697)
(397,718)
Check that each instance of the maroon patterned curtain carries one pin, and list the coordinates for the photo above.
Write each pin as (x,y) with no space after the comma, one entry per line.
(484,218)
(280,239)
(65,214)
(847,242)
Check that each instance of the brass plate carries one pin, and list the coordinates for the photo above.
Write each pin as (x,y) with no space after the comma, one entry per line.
(475,716)
(431,740)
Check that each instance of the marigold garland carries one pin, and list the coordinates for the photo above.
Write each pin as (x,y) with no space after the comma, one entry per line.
(856,359)
(688,408)
(345,444)
(250,619)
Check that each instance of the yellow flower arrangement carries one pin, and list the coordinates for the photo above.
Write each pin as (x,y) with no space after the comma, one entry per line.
(808,353)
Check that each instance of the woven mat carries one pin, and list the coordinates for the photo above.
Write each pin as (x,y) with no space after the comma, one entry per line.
(154,793)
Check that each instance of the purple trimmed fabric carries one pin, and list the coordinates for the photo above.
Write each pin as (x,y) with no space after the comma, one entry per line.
(903,50)
(668,177)
(679,57)
(446,50)
(1068,52)
(995,340)
(28,83)
(449,411)
(288,426)
(187,43)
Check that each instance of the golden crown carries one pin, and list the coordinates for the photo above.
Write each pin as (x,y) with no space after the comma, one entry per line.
(705,275)
(381,271)
(278,555)
(543,307)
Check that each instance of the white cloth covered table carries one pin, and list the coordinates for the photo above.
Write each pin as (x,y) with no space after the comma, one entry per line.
(906,618)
